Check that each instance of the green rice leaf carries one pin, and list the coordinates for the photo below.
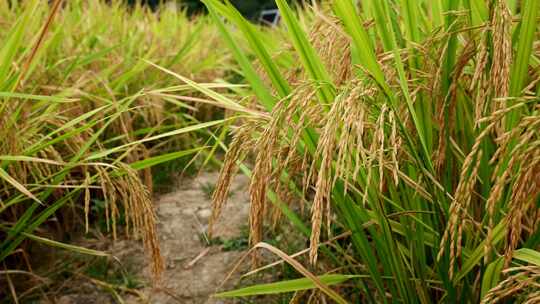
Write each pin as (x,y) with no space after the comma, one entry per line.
(528,255)
(259,88)
(5,176)
(285,286)
(156,160)
(70,247)
(308,56)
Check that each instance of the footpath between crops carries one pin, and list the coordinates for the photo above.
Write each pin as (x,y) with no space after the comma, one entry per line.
(195,266)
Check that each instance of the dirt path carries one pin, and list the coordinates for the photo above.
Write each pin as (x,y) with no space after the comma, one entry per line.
(194,269)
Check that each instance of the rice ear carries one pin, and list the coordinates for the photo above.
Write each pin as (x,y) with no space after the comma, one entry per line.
(521,279)
(237,150)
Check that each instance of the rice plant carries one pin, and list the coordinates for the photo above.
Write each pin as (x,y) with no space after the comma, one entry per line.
(410,125)
(399,137)
(84,118)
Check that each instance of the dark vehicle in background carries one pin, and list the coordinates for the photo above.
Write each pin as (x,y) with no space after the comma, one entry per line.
(263,11)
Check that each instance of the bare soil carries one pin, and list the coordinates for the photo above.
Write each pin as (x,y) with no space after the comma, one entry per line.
(195,268)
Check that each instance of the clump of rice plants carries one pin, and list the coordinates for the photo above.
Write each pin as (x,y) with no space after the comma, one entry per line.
(414,126)
(84,118)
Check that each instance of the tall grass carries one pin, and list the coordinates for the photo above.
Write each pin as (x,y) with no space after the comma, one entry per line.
(411,124)
(84,117)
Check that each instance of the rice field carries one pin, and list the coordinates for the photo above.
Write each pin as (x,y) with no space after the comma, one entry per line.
(397,140)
